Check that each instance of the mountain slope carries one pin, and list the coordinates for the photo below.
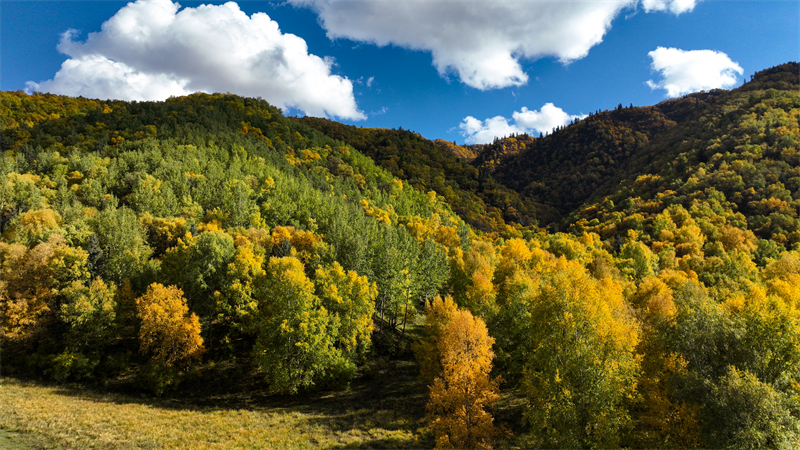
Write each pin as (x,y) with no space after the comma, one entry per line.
(483,202)
(587,161)
(738,153)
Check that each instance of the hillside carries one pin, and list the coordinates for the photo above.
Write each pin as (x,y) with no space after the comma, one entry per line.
(217,196)
(204,261)
(567,167)
(738,153)
(481,201)
(586,162)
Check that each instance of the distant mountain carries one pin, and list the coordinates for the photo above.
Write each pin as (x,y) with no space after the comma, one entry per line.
(741,143)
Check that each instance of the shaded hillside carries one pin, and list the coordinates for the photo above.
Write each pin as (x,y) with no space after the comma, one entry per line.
(588,159)
(474,195)
(566,167)
(736,156)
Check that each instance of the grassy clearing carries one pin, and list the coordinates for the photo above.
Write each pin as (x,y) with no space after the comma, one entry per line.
(382,411)
(227,407)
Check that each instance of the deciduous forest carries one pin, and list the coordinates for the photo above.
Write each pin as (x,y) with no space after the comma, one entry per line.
(629,280)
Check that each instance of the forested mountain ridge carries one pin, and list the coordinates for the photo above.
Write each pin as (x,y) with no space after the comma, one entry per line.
(148,243)
(738,153)
(566,167)
(484,203)
(586,161)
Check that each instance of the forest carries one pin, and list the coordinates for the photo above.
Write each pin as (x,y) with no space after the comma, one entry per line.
(629,280)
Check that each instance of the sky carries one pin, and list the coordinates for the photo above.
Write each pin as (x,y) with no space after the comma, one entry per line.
(463,71)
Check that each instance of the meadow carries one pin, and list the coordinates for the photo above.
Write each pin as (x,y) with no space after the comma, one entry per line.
(371,413)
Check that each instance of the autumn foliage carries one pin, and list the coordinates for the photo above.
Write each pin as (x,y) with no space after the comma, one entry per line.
(462,390)
(206,235)
(168,333)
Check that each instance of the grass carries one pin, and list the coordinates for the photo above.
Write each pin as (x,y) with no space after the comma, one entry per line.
(385,410)
(229,407)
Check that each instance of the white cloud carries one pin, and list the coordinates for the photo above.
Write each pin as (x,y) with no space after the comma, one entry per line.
(549,117)
(480,41)
(525,121)
(674,6)
(96,76)
(482,132)
(150,50)
(684,71)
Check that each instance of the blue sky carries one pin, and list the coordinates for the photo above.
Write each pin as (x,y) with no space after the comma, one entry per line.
(441,68)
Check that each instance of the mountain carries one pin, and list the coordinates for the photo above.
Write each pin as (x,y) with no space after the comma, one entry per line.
(742,143)
(735,150)
(472,193)
(632,277)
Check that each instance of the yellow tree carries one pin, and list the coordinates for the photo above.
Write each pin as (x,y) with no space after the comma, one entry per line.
(350,299)
(661,420)
(34,227)
(437,315)
(30,280)
(168,333)
(471,278)
(580,366)
(461,393)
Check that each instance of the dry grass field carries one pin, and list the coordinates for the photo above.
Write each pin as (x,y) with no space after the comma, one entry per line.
(384,409)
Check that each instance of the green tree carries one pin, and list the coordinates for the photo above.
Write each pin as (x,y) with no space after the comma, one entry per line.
(350,300)
(580,366)
(295,344)
(743,412)
(198,266)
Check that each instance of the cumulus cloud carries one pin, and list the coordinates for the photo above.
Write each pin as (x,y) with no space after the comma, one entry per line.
(482,42)
(673,6)
(524,121)
(151,49)
(482,132)
(684,71)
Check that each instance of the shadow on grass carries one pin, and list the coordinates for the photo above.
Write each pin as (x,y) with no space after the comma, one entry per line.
(383,405)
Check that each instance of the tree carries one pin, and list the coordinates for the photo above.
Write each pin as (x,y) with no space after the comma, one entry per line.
(635,260)
(168,333)
(463,389)
(580,366)
(236,301)
(438,314)
(350,299)
(197,265)
(471,278)
(30,281)
(35,227)
(662,421)
(123,245)
(294,345)
(743,412)
(90,314)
